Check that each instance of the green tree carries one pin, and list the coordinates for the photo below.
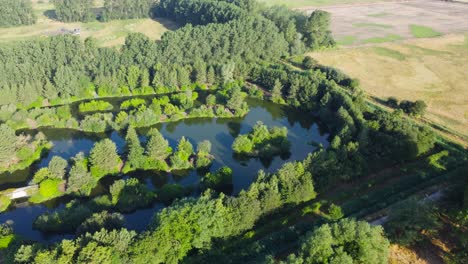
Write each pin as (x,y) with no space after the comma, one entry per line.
(157,147)
(237,99)
(16,12)
(8,142)
(133,75)
(74,10)
(80,180)
(200,71)
(309,63)
(408,219)
(317,30)
(57,167)
(347,240)
(135,151)
(211,75)
(104,157)
(276,92)
(242,144)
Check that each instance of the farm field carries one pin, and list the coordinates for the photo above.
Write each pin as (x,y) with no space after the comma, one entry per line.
(390,21)
(432,70)
(107,34)
(309,3)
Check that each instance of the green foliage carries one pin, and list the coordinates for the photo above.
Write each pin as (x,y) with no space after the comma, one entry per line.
(128,195)
(104,158)
(16,13)
(157,147)
(417,108)
(95,106)
(218,180)
(423,32)
(126,9)
(276,93)
(409,219)
(204,157)
(181,158)
(309,63)
(41,175)
(74,10)
(347,241)
(171,192)
(317,33)
(80,181)
(133,103)
(101,220)
(48,189)
(96,123)
(334,212)
(57,167)
(262,142)
(7,143)
(4,203)
(6,236)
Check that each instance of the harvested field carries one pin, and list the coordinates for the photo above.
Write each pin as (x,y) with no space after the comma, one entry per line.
(390,21)
(433,70)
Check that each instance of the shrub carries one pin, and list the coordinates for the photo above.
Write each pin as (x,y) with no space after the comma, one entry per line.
(95,106)
(220,179)
(170,192)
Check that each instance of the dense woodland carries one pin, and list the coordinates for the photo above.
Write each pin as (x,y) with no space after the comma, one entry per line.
(16,13)
(238,48)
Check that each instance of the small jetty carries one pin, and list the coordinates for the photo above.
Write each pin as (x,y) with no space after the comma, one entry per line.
(19,193)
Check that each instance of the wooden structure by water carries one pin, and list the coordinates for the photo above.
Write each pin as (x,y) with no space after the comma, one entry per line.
(19,193)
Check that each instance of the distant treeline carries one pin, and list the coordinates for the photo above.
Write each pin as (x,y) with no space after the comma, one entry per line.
(64,67)
(16,13)
(299,30)
(83,10)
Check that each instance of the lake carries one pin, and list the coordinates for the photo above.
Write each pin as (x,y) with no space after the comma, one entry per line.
(304,133)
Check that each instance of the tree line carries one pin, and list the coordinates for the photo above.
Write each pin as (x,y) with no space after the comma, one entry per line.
(85,11)
(16,13)
(63,67)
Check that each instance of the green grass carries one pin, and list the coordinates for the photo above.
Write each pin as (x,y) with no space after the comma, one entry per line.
(382,14)
(6,240)
(423,32)
(389,53)
(388,38)
(4,203)
(48,189)
(372,25)
(347,40)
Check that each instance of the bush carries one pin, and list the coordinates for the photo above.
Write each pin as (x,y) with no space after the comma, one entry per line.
(309,63)
(218,180)
(133,103)
(95,106)
(128,195)
(170,192)
(98,221)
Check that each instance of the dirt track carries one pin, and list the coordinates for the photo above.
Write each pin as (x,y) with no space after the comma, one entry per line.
(365,21)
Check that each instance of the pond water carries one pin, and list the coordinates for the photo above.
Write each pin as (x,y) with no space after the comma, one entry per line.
(304,133)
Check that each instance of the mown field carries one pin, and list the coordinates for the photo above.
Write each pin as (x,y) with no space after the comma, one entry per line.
(431,69)
(387,21)
(107,34)
(308,3)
